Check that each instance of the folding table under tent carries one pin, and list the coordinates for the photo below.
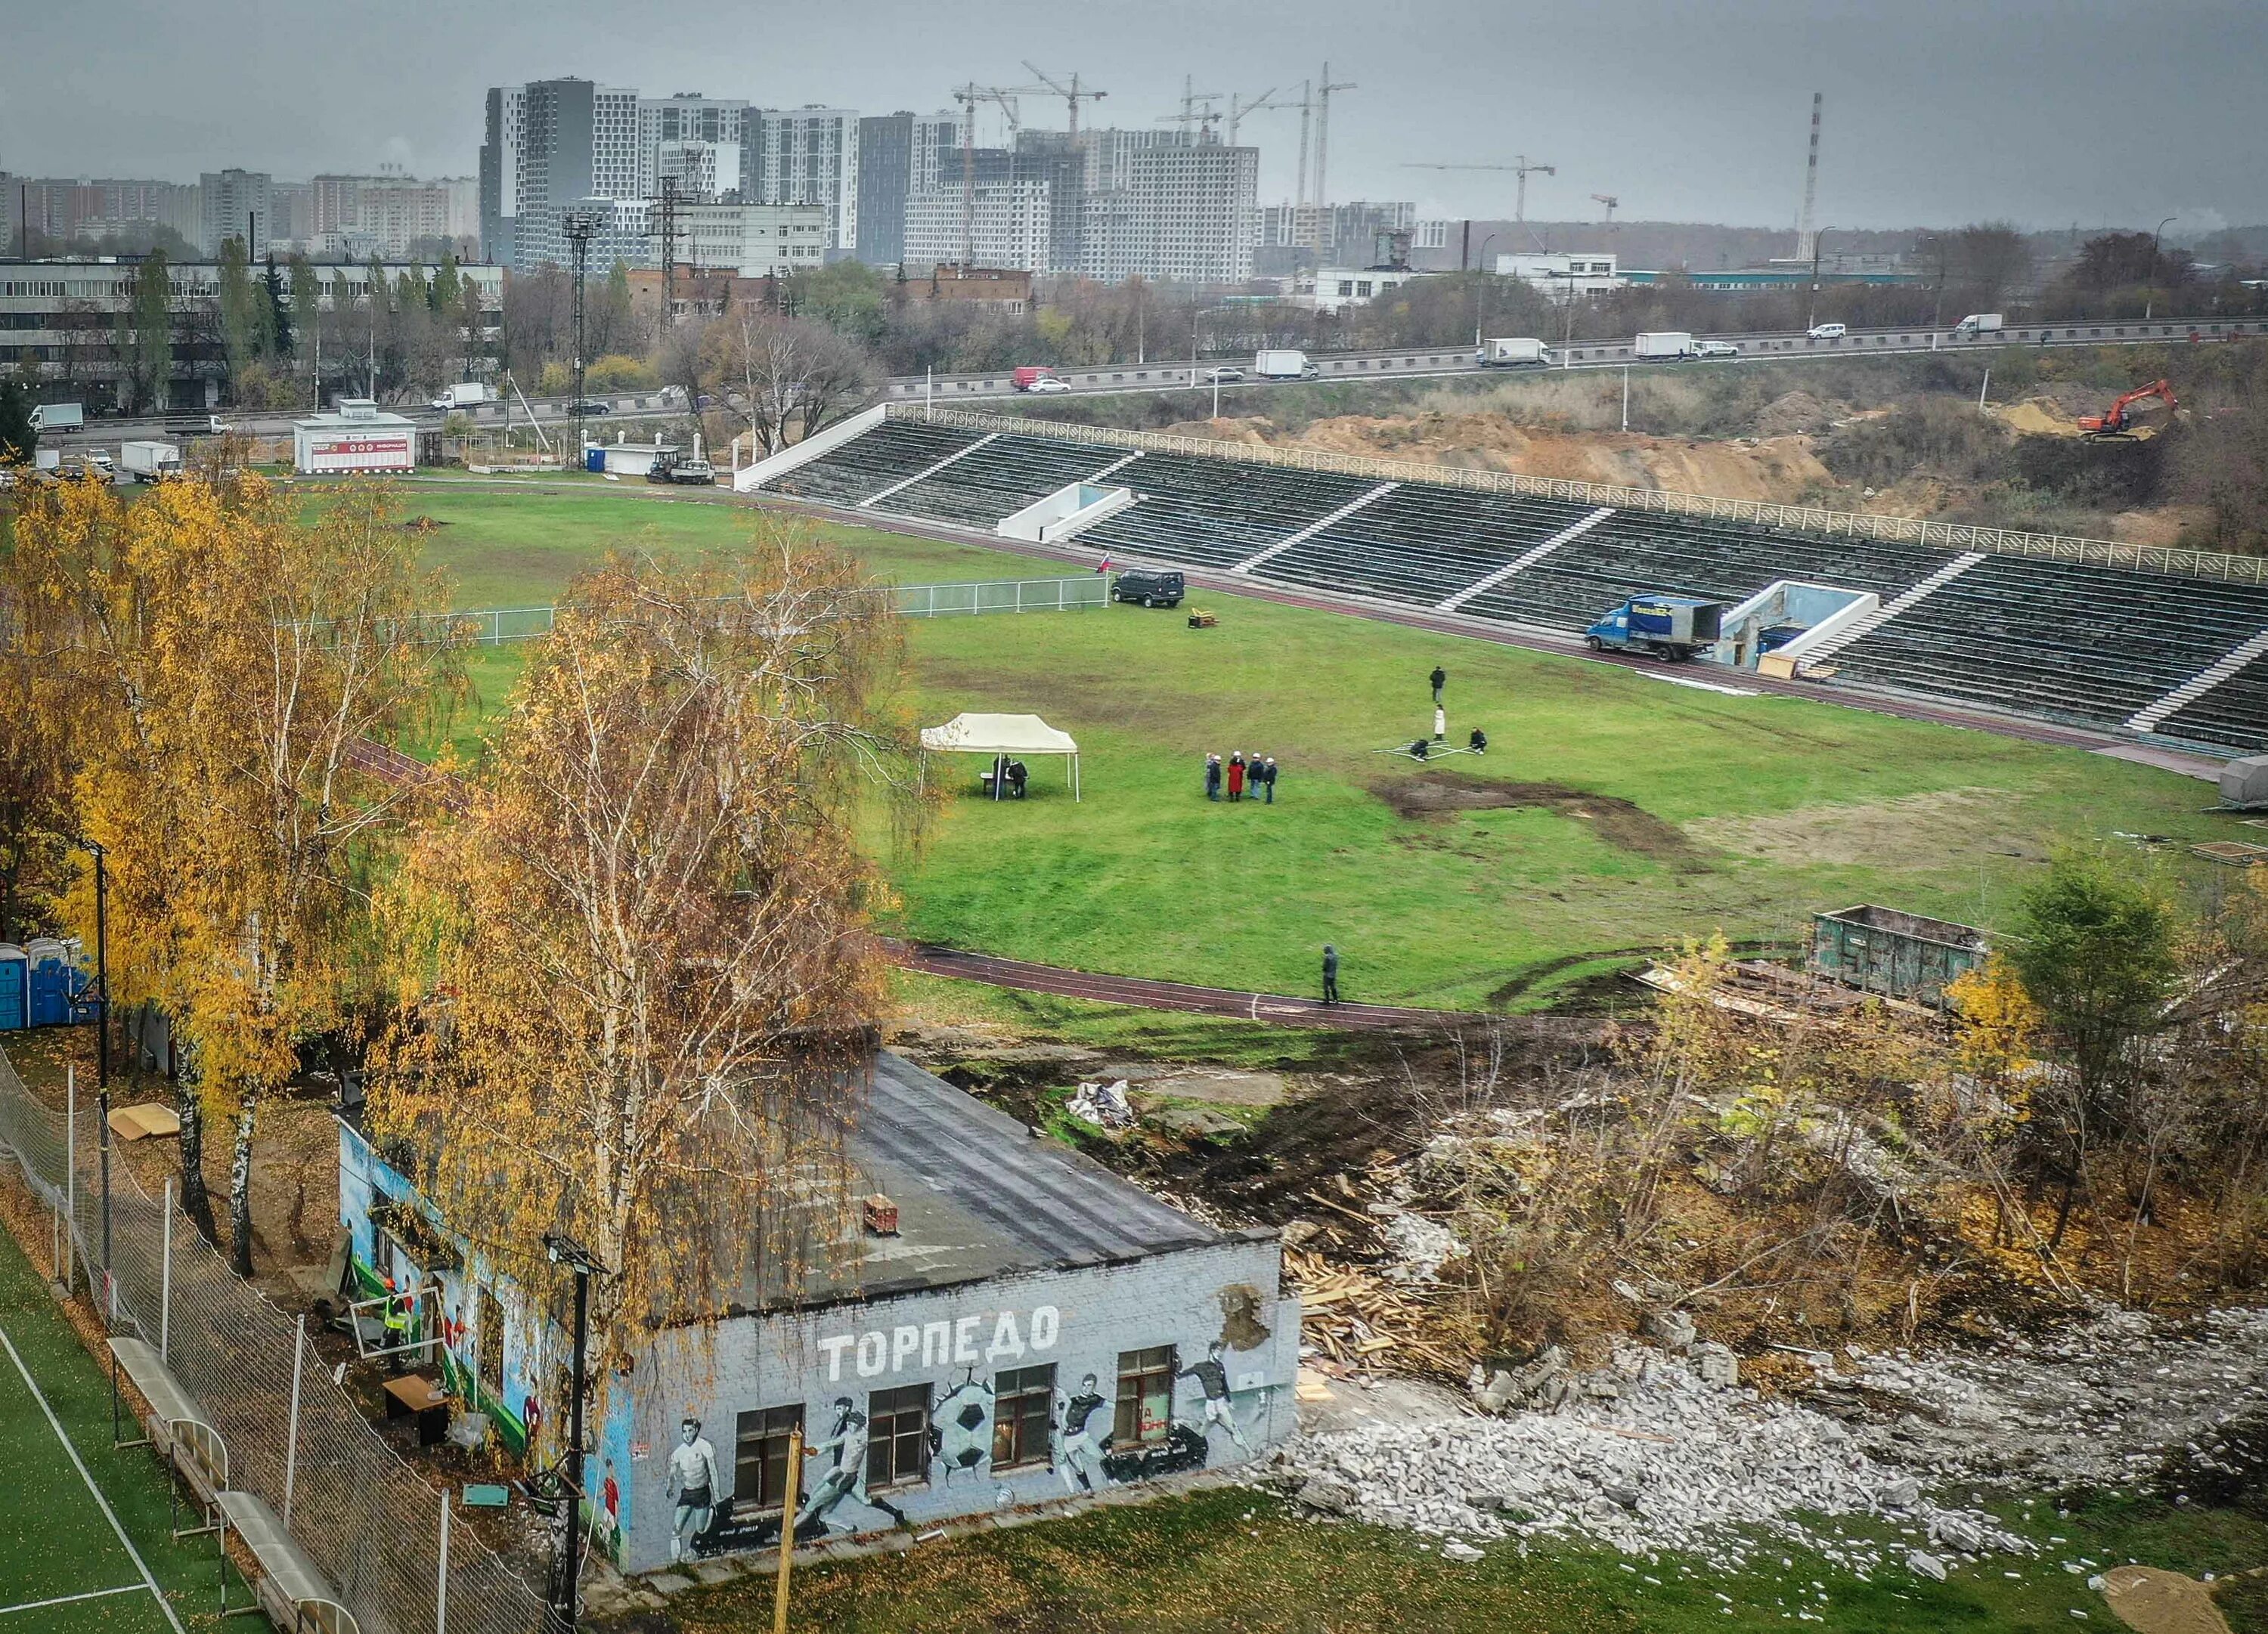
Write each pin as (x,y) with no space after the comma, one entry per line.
(1002,737)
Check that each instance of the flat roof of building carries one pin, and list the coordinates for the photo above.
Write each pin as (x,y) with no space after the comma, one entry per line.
(980,1195)
(384,417)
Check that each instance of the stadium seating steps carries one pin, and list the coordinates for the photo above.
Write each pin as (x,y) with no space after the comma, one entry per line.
(2033,636)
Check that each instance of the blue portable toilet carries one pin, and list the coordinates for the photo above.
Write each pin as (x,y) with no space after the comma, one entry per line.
(14,968)
(594,459)
(48,983)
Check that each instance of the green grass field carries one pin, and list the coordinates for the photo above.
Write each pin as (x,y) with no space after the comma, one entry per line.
(1614,812)
(64,1568)
(1238,1562)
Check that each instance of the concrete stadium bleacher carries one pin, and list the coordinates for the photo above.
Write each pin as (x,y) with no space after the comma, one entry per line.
(853,472)
(2085,644)
(998,480)
(2027,634)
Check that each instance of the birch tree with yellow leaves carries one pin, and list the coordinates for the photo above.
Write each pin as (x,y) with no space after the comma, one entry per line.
(637,988)
(220,662)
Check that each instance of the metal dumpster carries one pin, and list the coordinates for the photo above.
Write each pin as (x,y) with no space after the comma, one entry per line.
(1897,955)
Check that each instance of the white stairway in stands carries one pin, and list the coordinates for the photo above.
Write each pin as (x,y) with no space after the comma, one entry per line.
(1313,528)
(1481,586)
(2150,715)
(1890,609)
(958,453)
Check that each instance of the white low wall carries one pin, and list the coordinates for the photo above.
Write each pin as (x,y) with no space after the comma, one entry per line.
(809,449)
(1061,514)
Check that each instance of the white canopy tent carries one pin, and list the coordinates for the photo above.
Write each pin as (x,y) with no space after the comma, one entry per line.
(1004,737)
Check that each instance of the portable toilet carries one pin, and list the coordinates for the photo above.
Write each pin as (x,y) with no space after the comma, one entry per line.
(13,966)
(48,983)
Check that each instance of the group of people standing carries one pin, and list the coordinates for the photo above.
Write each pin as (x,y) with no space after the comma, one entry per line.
(1241,774)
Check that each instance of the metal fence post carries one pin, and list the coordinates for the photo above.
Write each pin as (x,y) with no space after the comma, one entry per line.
(441,1571)
(70,1173)
(165,1277)
(291,1433)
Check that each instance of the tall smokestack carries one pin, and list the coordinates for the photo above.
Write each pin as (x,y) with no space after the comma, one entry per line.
(1806,234)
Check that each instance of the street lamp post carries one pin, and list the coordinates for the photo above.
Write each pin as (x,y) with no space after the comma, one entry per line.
(1480,287)
(567,1555)
(102,1040)
(1811,309)
(2150,293)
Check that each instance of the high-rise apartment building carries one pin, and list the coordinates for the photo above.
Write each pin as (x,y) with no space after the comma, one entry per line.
(235,204)
(1179,209)
(63,207)
(578,143)
(805,156)
(899,155)
(386,215)
(507,118)
(694,139)
(1011,221)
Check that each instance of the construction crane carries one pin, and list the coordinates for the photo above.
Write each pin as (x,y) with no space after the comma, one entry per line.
(1520,168)
(2115,422)
(1609,200)
(1238,108)
(1072,96)
(968,96)
(1322,130)
(1191,114)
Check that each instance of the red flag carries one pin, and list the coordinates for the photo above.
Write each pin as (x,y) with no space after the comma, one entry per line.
(1104,565)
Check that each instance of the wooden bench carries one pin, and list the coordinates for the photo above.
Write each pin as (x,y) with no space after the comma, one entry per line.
(175,1427)
(291,1589)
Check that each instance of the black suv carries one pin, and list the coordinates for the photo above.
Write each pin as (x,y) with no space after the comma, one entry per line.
(1150,589)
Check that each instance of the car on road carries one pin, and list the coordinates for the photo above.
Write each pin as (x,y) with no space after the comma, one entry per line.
(589,408)
(1047,384)
(1827,331)
(1226,377)
(1715,348)
(704,401)
(1151,587)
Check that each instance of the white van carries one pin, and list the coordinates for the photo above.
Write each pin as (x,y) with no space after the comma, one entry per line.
(1828,331)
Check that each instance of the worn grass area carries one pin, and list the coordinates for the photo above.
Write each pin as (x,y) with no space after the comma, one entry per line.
(1229,1560)
(1613,812)
(54,1539)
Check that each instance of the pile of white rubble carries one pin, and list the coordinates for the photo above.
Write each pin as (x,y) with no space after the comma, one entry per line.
(1654,1454)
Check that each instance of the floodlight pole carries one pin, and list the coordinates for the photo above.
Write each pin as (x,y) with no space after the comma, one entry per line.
(567,1562)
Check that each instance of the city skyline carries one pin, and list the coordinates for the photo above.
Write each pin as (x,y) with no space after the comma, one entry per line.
(1683,116)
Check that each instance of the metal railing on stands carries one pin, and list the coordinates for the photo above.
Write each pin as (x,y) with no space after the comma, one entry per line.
(1810,520)
(371,1523)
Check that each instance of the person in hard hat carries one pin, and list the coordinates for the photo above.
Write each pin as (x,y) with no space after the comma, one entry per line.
(393,1315)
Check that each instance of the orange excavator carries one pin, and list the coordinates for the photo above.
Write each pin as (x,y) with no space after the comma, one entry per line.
(2116,422)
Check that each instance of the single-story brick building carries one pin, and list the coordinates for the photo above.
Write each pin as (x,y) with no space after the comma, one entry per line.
(1034,1328)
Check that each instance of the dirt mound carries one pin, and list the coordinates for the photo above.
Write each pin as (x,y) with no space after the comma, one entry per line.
(2036,416)
(1780,468)
(1619,823)
(422,524)
(1797,414)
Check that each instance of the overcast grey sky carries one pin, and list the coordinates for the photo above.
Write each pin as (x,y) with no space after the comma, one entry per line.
(1938,111)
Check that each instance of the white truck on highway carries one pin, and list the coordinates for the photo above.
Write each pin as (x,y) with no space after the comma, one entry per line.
(1513,351)
(147,462)
(1664,343)
(1284,365)
(464,395)
(1978,323)
(58,417)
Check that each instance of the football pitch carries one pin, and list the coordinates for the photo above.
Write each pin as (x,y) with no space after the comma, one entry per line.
(85,1543)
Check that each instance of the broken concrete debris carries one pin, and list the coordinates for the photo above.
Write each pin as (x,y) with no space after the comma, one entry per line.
(1105,1105)
(1672,1330)
(1924,1565)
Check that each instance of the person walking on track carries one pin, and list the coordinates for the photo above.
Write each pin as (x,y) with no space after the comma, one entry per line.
(1330,974)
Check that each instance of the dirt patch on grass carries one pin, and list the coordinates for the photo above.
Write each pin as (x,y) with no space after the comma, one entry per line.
(1945,825)
(422,524)
(1615,821)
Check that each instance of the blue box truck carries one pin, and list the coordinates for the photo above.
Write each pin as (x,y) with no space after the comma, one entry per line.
(1671,628)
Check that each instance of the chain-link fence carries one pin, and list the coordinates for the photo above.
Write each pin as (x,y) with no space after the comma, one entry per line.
(294,1438)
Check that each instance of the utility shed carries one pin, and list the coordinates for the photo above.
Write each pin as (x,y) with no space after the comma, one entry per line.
(1897,955)
(361,438)
(1011,1324)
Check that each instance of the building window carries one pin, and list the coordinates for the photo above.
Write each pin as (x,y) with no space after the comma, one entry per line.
(1146,1395)
(897,1427)
(759,1456)
(1022,1400)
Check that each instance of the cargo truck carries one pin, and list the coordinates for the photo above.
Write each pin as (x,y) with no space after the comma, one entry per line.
(147,461)
(58,417)
(1664,343)
(1671,628)
(1978,323)
(1514,351)
(1029,376)
(464,395)
(1284,365)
